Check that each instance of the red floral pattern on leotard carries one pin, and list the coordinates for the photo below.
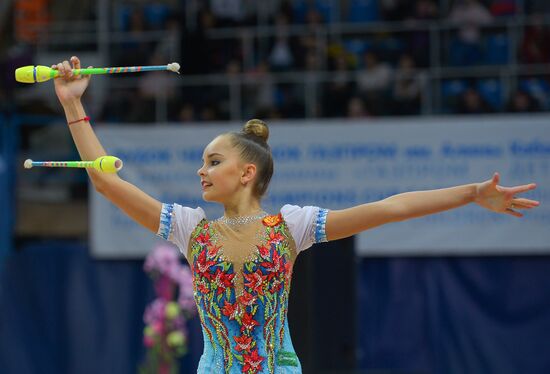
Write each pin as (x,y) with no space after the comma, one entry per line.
(243,326)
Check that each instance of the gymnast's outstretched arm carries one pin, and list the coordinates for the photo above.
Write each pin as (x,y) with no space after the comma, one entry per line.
(404,206)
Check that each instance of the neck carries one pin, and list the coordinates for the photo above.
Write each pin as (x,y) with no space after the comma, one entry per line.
(242,209)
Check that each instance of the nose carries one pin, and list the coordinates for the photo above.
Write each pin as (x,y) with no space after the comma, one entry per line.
(200,172)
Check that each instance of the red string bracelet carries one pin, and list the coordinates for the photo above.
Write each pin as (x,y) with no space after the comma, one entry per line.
(80,120)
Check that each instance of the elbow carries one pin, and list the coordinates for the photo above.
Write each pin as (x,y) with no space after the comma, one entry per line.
(103,185)
(100,188)
(396,211)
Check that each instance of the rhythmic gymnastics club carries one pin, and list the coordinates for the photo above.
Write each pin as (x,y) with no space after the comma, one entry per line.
(106,164)
(34,74)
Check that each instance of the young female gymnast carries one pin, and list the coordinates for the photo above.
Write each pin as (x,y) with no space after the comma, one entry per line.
(242,262)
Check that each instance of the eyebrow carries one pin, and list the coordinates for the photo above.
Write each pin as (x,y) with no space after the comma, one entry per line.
(212,154)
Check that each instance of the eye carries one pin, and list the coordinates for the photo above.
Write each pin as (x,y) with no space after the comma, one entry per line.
(214,162)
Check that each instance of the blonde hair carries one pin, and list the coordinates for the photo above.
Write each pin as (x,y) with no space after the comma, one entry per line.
(251,141)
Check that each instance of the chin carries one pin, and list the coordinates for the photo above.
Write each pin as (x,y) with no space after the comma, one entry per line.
(209,198)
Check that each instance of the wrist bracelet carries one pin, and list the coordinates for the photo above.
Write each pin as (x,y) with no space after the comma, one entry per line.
(80,120)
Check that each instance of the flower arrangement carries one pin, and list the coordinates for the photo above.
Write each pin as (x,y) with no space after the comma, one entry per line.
(165,333)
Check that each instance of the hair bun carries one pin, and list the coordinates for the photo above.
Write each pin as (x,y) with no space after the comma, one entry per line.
(257,128)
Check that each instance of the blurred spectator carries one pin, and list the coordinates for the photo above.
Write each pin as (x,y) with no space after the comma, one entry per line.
(373,83)
(337,92)
(537,87)
(314,19)
(210,55)
(169,45)
(268,113)
(418,41)
(468,16)
(228,12)
(198,51)
(423,10)
(535,48)
(259,95)
(375,76)
(522,102)
(500,8)
(152,86)
(289,100)
(281,57)
(209,113)
(471,102)
(133,48)
(408,85)
(187,113)
(356,108)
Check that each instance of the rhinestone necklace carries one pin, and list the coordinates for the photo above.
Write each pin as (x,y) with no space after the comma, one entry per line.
(241,220)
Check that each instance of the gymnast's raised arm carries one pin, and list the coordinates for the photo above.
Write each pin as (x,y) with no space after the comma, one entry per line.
(141,207)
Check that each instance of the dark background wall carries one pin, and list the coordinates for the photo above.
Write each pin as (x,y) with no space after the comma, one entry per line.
(63,312)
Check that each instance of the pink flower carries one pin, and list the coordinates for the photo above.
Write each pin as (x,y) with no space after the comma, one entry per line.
(154,311)
(169,275)
(165,287)
(158,327)
(163,259)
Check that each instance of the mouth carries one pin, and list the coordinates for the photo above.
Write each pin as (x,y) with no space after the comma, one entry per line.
(205,185)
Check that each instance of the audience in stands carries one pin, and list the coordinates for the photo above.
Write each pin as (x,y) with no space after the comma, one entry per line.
(408,86)
(535,46)
(374,73)
(522,102)
(471,102)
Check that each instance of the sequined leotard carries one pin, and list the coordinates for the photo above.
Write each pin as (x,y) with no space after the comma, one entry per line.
(241,279)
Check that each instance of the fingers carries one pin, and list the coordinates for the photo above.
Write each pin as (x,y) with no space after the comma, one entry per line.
(68,69)
(76,62)
(523,188)
(496,179)
(65,68)
(524,203)
(513,213)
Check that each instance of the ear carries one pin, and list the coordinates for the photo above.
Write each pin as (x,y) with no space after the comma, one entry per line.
(248,173)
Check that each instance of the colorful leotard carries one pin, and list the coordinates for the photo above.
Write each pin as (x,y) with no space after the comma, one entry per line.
(241,281)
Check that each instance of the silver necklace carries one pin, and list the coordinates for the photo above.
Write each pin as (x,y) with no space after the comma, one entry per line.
(241,220)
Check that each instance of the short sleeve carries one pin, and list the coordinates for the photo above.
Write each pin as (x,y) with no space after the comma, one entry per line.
(177,224)
(306,224)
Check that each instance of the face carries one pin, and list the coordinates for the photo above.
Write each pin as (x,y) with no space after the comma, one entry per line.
(222,174)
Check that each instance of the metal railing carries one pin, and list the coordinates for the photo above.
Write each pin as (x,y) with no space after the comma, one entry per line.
(253,43)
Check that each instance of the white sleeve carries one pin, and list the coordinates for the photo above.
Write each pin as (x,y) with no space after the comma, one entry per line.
(177,224)
(306,225)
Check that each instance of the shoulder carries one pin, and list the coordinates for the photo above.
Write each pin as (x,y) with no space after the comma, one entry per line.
(177,219)
(294,212)
(306,224)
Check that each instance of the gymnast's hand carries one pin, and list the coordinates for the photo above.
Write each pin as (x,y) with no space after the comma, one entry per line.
(502,199)
(69,87)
